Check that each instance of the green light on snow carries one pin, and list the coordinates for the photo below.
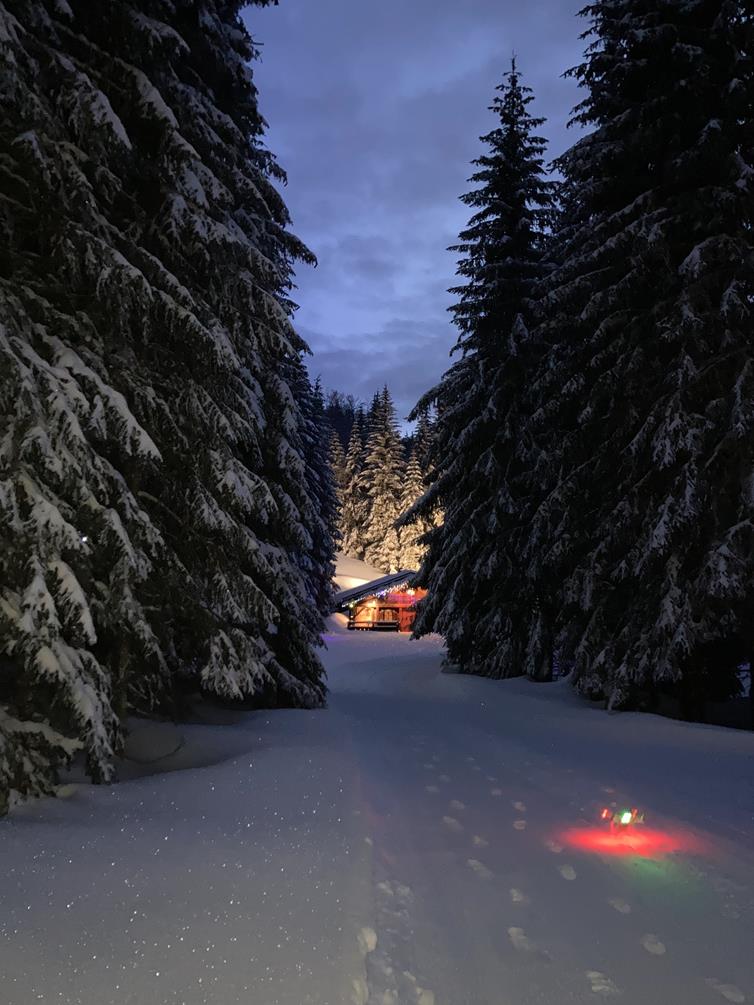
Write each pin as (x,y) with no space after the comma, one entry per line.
(625,817)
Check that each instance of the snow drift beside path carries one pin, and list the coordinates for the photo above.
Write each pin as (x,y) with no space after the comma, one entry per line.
(428,839)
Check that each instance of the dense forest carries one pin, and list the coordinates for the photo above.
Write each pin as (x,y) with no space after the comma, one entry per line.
(379,475)
(593,456)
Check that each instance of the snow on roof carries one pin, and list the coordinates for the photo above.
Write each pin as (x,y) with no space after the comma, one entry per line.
(351,572)
(394,579)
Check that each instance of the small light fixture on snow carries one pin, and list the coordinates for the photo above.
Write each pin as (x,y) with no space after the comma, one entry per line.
(622,817)
(84,538)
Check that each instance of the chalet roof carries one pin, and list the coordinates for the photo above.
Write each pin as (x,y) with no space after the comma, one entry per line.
(390,582)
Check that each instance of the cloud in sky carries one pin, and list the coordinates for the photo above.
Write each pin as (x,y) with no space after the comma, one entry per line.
(375,112)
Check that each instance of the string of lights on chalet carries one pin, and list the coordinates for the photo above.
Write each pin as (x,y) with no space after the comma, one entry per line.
(384,604)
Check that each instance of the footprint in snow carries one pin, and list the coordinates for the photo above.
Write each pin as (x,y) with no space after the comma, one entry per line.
(423,996)
(729,991)
(475,767)
(521,807)
(429,766)
(360,991)
(567,871)
(496,792)
(456,804)
(479,842)
(479,868)
(470,760)
(653,945)
(517,897)
(367,939)
(601,984)
(491,778)
(620,905)
(444,778)
(519,825)
(431,788)
(554,847)
(452,824)
(521,941)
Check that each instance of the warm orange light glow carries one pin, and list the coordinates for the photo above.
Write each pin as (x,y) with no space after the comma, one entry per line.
(644,841)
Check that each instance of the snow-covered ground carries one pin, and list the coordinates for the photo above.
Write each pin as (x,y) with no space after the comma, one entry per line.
(428,839)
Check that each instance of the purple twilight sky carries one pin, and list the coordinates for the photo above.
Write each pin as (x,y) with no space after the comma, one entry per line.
(375,112)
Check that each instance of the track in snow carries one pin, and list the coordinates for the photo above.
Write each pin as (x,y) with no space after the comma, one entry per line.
(428,839)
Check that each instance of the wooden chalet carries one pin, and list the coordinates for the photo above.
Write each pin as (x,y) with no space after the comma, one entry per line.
(385,604)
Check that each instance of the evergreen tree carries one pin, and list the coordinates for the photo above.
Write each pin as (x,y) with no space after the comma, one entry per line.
(339,474)
(646,419)
(383,478)
(337,458)
(319,503)
(340,411)
(423,435)
(154,501)
(469,571)
(412,548)
(355,505)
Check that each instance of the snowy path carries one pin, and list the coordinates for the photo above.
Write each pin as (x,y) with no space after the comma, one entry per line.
(427,840)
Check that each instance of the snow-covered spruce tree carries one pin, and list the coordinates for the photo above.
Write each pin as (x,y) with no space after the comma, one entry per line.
(320,501)
(355,497)
(646,506)
(412,548)
(423,434)
(475,586)
(383,477)
(151,452)
(337,457)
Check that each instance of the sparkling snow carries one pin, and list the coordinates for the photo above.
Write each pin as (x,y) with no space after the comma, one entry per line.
(302,858)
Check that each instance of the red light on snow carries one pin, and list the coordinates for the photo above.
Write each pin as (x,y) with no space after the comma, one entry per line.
(606,814)
(642,841)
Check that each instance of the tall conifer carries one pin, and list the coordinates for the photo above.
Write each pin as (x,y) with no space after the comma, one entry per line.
(476,434)
(412,547)
(354,510)
(383,477)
